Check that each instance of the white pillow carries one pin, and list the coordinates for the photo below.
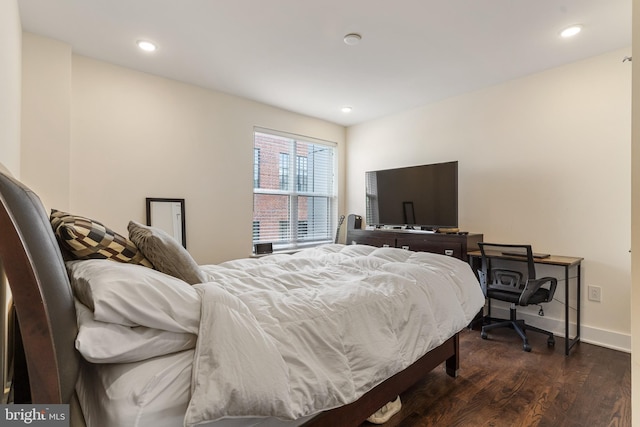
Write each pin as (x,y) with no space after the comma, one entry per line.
(133,295)
(100,342)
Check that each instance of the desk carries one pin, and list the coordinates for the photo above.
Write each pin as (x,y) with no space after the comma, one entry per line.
(562,261)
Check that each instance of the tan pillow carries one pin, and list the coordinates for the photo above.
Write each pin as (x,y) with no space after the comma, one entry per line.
(85,238)
(165,253)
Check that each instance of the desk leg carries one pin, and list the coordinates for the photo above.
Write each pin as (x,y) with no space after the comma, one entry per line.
(566,312)
(568,342)
(579,279)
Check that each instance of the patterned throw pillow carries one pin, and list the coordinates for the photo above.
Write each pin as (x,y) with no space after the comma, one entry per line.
(84,238)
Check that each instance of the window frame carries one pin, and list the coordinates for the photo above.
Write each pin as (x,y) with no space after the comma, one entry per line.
(328,199)
(256,167)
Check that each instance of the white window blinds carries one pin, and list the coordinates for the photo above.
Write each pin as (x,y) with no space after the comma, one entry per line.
(294,194)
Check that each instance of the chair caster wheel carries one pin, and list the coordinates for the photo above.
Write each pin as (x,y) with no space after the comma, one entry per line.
(526,348)
(551,342)
(483,335)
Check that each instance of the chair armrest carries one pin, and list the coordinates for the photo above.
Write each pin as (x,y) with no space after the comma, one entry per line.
(533,285)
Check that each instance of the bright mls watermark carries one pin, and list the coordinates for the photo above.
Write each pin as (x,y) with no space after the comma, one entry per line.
(34,415)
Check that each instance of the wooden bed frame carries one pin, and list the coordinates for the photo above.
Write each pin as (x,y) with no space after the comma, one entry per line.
(46,314)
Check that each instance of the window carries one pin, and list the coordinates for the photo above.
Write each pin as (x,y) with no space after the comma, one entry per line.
(256,230)
(284,230)
(283,171)
(301,173)
(294,195)
(302,229)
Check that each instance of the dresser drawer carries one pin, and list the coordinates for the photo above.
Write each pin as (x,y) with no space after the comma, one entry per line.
(437,247)
(380,240)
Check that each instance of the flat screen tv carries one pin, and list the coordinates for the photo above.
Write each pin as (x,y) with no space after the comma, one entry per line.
(423,196)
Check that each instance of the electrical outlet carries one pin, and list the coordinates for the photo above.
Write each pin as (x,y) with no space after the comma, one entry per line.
(595,293)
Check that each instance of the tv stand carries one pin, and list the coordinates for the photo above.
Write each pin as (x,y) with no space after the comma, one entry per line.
(455,244)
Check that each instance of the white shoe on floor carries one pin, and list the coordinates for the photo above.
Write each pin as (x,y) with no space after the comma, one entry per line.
(383,414)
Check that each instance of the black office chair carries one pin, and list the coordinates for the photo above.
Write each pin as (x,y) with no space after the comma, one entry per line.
(513,286)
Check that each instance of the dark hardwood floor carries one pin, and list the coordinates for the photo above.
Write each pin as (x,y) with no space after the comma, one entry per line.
(501,385)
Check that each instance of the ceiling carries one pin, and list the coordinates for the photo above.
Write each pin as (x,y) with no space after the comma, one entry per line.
(291,54)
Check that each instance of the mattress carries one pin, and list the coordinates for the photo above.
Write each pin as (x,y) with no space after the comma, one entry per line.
(279,338)
(150,393)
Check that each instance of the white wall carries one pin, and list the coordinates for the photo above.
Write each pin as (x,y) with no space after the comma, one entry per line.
(10,78)
(134,135)
(543,159)
(46,128)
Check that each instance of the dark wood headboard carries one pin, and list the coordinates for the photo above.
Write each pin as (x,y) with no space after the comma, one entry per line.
(41,293)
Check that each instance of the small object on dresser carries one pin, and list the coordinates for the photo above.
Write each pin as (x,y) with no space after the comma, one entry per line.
(451,230)
(354,222)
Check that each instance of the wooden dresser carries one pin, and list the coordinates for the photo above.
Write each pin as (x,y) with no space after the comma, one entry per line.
(456,245)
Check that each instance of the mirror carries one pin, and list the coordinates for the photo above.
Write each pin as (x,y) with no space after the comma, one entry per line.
(167,215)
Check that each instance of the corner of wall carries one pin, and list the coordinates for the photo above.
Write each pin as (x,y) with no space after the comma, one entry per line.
(10,85)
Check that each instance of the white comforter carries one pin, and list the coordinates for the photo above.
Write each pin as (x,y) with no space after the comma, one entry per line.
(318,329)
(282,335)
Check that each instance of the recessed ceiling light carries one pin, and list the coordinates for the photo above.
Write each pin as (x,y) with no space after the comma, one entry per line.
(352,39)
(571,31)
(147,46)
(347,109)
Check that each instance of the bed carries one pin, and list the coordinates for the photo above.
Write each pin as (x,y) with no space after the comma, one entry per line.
(283,340)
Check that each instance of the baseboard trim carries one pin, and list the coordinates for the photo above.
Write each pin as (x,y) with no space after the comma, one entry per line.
(589,334)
